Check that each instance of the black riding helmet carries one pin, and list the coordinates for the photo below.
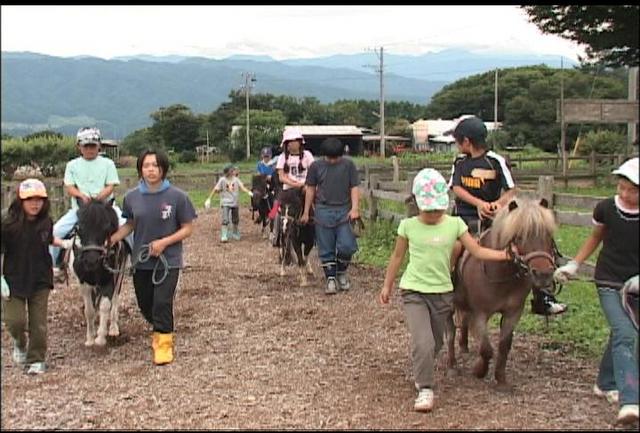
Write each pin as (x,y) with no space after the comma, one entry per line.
(332,147)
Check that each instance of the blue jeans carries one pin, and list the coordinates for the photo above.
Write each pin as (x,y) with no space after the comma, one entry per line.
(64,225)
(619,364)
(335,240)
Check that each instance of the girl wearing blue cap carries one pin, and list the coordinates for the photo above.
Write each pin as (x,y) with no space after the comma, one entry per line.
(426,287)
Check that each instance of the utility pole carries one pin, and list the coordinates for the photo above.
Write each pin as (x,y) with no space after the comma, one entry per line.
(249,78)
(495,103)
(632,96)
(380,70)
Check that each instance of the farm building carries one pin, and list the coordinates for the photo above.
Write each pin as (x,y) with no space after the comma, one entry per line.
(313,135)
(428,135)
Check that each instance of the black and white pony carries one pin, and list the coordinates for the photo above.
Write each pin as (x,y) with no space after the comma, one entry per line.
(262,202)
(295,237)
(100,268)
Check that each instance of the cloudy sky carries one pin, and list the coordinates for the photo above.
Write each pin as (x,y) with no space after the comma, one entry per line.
(282,32)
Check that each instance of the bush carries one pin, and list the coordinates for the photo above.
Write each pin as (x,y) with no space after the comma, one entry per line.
(188,156)
(50,153)
(602,141)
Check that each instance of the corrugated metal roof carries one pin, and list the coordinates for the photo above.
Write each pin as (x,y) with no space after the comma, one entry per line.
(386,137)
(327,129)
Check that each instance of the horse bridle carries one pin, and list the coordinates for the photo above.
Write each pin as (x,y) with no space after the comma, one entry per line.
(106,253)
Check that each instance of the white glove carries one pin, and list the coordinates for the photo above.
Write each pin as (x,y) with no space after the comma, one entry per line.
(67,243)
(207,203)
(5,289)
(250,193)
(631,285)
(563,273)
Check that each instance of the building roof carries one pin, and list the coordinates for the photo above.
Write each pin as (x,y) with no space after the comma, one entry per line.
(386,137)
(110,143)
(335,130)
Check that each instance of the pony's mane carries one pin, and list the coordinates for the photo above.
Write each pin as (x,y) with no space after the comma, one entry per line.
(97,217)
(259,181)
(529,221)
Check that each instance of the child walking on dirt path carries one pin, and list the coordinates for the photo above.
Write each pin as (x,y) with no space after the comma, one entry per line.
(426,287)
(229,187)
(27,275)
(616,225)
(332,186)
(162,217)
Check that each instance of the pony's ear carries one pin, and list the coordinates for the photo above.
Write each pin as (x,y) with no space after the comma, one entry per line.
(544,203)
(512,205)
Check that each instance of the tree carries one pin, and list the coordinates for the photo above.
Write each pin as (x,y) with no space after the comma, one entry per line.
(176,126)
(610,32)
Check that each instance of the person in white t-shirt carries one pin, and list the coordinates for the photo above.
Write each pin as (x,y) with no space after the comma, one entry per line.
(292,167)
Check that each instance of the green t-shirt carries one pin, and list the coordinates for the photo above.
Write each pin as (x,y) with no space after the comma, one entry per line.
(430,249)
(90,176)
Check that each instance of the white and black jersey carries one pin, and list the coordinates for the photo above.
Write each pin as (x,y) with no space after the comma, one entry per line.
(618,259)
(484,177)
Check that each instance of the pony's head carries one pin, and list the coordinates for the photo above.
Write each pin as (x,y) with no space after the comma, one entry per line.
(259,190)
(528,225)
(97,221)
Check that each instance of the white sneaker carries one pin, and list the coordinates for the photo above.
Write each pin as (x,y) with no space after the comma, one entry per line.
(611,396)
(19,355)
(424,401)
(37,368)
(343,281)
(332,286)
(628,414)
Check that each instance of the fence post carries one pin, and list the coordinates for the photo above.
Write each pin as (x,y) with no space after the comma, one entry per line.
(396,168)
(411,208)
(374,180)
(592,161)
(366,177)
(545,189)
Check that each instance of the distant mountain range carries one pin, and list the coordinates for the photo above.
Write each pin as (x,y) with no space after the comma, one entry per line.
(45,92)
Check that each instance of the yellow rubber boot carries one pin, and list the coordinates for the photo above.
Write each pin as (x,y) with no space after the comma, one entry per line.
(163,352)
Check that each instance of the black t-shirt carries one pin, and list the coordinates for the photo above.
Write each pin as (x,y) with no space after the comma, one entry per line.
(333,181)
(27,263)
(484,177)
(618,259)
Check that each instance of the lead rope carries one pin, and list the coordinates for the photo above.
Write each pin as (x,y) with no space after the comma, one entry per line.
(143,257)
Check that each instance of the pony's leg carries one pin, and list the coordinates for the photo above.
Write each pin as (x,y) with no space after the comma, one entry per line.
(301,264)
(89,314)
(105,308)
(114,329)
(464,332)
(450,334)
(507,325)
(485,351)
(307,250)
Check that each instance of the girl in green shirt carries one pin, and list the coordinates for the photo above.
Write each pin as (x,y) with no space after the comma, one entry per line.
(427,290)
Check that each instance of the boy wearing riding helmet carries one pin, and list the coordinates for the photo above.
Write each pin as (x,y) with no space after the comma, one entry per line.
(332,186)
(482,184)
(426,287)
(292,165)
(616,225)
(85,177)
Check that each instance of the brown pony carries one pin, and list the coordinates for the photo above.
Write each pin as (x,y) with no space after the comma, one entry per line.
(484,288)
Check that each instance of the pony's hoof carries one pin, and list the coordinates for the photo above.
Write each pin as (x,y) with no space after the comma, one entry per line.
(101,341)
(89,343)
(452,372)
(504,387)
(479,369)
(114,332)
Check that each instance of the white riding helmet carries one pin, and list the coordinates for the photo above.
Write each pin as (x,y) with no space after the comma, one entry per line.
(88,135)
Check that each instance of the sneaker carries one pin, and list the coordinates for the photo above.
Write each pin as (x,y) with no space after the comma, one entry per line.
(332,286)
(424,401)
(37,368)
(19,355)
(555,308)
(611,396)
(58,275)
(343,281)
(628,414)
